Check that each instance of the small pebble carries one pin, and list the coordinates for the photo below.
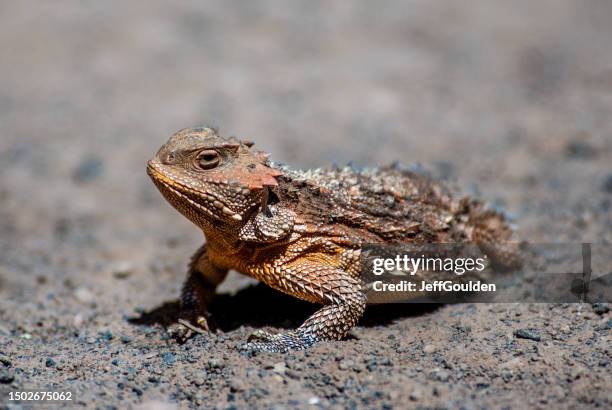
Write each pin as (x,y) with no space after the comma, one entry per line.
(83,295)
(482,383)
(527,334)
(199,381)
(122,270)
(346,364)
(6,377)
(441,375)
(215,364)
(6,361)
(601,308)
(50,362)
(236,385)
(429,349)
(168,358)
(107,335)
(279,367)
(313,401)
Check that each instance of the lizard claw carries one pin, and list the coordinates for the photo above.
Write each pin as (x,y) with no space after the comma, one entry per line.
(262,341)
(184,330)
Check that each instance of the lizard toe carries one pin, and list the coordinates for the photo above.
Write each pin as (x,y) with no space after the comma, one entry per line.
(184,330)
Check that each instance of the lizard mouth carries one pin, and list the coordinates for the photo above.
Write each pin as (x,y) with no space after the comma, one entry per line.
(181,196)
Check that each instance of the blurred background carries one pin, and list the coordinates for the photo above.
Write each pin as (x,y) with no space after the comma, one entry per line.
(509,101)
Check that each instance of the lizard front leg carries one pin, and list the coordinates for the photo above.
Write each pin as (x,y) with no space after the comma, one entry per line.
(316,282)
(197,293)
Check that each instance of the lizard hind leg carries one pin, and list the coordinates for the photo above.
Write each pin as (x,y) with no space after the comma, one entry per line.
(344,305)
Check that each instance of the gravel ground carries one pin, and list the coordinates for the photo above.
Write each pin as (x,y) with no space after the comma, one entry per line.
(510,101)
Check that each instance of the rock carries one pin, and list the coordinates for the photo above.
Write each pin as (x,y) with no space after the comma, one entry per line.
(429,349)
(292,375)
(50,362)
(440,375)
(416,394)
(314,400)
(527,334)
(168,358)
(482,383)
(107,335)
(199,381)
(346,364)
(6,377)
(514,364)
(236,385)
(5,361)
(279,368)
(83,295)
(215,364)
(601,308)
(122,270)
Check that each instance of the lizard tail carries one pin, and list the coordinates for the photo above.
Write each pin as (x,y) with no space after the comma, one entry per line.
(493,235)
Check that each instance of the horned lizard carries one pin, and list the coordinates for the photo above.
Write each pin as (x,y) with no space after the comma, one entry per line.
(301,232)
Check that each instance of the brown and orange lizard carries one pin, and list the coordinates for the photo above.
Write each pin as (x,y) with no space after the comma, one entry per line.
(301,232)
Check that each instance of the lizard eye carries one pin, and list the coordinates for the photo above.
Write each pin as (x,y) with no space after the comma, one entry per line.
(208,159)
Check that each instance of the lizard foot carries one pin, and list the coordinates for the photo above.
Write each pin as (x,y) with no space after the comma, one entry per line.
(262,341)
(184,329)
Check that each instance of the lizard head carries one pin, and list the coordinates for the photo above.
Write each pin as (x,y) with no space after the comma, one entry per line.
(215,182)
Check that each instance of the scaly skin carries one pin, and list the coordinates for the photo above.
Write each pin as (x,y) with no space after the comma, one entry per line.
(301,232)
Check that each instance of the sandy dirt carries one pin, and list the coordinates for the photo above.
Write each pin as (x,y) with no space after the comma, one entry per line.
(510,101)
